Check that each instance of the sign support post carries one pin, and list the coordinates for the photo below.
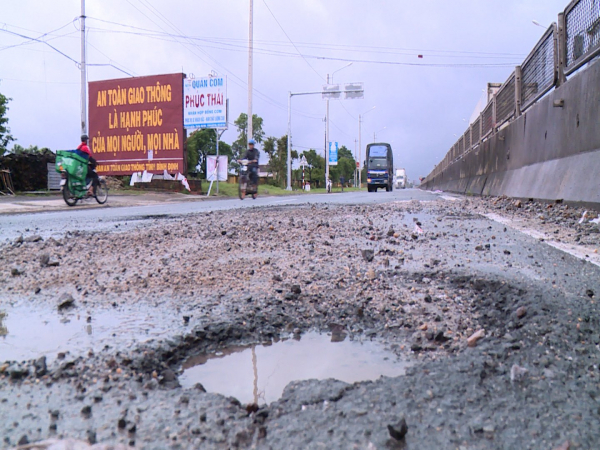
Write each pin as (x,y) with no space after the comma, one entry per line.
(351,91)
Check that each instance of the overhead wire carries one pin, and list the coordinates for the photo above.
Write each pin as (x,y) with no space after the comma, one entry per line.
(31,40)
(353,48)
(41,41)
(237,80)
(109,58)
(109,65)
(240,48)
(240,83)
(292,42)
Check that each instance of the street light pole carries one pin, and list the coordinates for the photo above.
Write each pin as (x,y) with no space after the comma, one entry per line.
(250,54)
(289,133)
(355,168)
(289,144)
(327,137)
(327,125)
(375,134)
(83,72)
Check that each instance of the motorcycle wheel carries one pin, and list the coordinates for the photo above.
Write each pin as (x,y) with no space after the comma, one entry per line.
(101,192)
(242,190)
(68,196)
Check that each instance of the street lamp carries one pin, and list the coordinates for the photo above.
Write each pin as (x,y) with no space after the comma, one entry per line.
(535,22)
(336,71)
(360,146)
(327,125)
(375,133)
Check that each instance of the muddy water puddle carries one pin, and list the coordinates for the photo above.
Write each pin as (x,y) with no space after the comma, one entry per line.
(258,374)
(28,332)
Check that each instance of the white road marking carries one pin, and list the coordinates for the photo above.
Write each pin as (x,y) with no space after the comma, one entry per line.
(573,250)
(449,198)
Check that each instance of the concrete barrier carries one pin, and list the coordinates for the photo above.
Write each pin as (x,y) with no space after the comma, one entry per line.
(551,152)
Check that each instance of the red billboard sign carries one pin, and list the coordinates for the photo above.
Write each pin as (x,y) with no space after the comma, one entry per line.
(136,124)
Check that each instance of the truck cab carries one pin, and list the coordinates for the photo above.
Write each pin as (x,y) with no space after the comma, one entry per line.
(380,167)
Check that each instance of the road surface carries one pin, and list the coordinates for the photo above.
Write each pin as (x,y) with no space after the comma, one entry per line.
(484,311)
(56,223)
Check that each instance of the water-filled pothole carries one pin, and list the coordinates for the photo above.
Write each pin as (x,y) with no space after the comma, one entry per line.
(258,374)
(28,332)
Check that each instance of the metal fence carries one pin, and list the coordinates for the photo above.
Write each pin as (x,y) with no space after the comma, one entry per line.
(539,70)
(582,33)
(505,101)
(562,50)
(487,119)
(467,141)
(476,131)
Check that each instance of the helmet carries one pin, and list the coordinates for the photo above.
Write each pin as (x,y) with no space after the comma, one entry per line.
(84,137)
(251,141)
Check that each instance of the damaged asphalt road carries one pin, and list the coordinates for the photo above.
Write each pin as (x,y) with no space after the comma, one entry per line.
(420,277)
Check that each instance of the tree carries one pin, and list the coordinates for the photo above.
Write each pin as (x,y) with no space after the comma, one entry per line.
(20,150)
(239,145)
(5,136)
(276,150)
(345,167)
(316,165)
(202,143)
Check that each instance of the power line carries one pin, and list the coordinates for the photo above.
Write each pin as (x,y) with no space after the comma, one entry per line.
(41,41)
(236,80)
(104,54)
(37,81)
(292,42)
(353,48)
(32,42)
(109,65)
(238,48)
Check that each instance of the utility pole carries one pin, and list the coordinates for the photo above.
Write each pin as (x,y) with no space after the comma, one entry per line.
(359,152)
(327,126)
(356,168)
(323,92)
(217,165)
(327,137)
(289,144)
(250,51)
(83,72)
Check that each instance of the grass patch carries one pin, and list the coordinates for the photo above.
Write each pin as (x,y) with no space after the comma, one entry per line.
(231,190)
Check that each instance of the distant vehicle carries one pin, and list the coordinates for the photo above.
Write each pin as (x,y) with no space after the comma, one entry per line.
(380,167)
(400,179)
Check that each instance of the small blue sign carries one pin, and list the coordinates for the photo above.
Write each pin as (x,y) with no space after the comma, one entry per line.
(333,154)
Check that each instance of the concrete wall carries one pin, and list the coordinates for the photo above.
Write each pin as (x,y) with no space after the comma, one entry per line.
(548,153)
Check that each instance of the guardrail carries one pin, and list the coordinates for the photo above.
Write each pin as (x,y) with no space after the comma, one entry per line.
(563,49)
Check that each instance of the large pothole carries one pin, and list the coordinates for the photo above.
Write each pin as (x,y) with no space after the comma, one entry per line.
(259,373)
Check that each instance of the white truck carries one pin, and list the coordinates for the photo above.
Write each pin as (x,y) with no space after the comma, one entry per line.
(400,179)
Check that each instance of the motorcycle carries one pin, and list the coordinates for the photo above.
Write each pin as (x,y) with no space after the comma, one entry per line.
(246,186)
(74,183)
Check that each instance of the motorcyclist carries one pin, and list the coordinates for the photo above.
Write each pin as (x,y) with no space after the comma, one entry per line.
(84,150)
(252,155)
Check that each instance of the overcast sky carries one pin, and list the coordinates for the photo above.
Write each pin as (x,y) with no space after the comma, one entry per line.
(421,105)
